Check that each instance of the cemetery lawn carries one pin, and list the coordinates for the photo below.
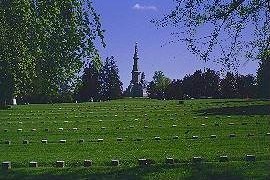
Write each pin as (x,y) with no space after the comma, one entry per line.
(134,129)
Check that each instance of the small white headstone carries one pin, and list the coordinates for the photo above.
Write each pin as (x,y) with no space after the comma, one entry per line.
(115,162)
(169,161)
(60,164)
(63,141)
(87,163)
(197,159)
(250,158)
(33,164)
(213,136)
(119,139)
(44,141)
(6,165)
(14,102)
(223,159)
(157,138)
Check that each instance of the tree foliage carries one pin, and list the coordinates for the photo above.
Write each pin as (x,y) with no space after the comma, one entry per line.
(100,82)
(111,86)
(201,84)
(227,27)
(204,84)
(90,87)
(43,44)
(263,76)
(157,88)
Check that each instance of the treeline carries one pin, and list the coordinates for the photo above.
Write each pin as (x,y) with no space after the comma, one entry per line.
(98,82)
(207,84)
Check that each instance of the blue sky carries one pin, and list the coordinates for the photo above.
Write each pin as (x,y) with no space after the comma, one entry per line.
(128,21)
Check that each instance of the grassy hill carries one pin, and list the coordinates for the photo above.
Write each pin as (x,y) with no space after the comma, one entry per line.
(132,129)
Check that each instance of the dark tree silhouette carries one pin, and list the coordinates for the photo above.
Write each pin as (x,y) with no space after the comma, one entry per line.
(228,86)
(211,83)
(111,86)
(263,77)
(90,86)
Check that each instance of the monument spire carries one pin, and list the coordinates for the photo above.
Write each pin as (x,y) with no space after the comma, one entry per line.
(135,71)
(135,89)
(135,58)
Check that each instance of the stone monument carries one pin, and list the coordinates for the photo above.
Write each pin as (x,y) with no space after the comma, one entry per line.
(135,89)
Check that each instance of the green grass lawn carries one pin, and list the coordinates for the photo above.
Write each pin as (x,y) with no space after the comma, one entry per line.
(138,122)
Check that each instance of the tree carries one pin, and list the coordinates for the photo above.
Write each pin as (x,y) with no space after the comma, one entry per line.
(201,84)
(228,86)
(245,86)
(90,86)
(175,90)
(49,43)
(158,86)
(143,81)
(263,76)
(211,81)
(209,26)
(111,86)
(193,85)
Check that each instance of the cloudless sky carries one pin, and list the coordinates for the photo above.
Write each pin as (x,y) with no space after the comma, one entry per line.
(128,21)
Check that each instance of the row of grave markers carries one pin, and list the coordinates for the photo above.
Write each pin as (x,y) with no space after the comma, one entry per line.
(141,162)
(45,141)
(103,128)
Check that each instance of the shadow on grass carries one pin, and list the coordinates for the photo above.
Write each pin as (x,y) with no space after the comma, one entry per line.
(238,110)
(180,171)
(229,101)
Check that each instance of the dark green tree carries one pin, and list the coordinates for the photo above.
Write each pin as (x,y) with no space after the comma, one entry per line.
(110,84)
(90,86)
(245,86)
(263,77)
(193,85)
(175,90)
(228,88)
(211,82)
(143,81)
